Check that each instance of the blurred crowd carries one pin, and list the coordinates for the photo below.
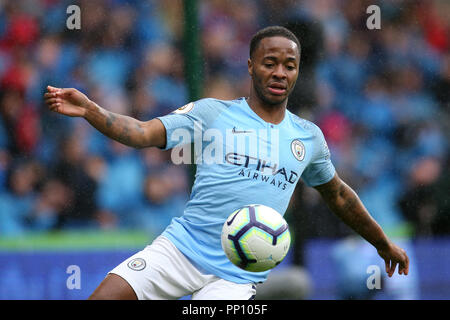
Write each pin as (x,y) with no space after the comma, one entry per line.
(381,98)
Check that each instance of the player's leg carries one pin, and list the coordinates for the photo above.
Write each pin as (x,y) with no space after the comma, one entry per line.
(113,287)
(220,289)
(158,272)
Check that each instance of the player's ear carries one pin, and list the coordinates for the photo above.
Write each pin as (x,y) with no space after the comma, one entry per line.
(250,67)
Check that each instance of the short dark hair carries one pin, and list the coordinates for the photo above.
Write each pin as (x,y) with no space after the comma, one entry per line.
(272,31)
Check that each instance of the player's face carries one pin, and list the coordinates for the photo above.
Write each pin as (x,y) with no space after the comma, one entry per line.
(274,69)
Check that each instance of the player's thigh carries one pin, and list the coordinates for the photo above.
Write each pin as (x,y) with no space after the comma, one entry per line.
(159,272)
(221,289)
(113,287)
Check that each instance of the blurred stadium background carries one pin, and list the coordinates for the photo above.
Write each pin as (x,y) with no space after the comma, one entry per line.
(69,196)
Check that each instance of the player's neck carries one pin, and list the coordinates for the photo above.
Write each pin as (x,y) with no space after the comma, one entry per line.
(269,113)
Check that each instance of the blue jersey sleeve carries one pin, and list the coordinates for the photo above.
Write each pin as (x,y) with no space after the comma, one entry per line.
(183,124)
(320,170)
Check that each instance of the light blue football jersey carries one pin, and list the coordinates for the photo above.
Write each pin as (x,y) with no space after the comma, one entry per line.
(241,160)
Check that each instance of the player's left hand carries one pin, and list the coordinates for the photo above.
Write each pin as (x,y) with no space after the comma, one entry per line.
(393,255)
(67,101)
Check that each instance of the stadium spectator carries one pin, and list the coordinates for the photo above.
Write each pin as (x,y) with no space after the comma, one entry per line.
(120,188)
(70,169)
(17,201)
(53,199)
(163,199)
(420,203)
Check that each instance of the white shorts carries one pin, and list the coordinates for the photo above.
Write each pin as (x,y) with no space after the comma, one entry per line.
(161,272)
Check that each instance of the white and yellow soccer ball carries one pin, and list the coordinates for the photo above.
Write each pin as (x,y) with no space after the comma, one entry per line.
(256,238)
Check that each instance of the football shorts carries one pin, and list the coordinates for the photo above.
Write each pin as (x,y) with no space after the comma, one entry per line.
(161,272)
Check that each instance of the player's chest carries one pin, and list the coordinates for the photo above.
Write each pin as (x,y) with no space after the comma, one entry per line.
(262,150)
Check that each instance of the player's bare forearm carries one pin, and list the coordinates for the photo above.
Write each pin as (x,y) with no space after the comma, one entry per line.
(124,129)
(345,203)
(127,130)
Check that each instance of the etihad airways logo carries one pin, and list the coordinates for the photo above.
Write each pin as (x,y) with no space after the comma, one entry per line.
(255,152)
(262,170)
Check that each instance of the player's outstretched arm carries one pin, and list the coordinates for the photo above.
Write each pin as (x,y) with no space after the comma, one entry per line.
(345,203)
(127,130)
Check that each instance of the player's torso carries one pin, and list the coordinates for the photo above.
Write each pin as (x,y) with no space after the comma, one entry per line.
(247,160)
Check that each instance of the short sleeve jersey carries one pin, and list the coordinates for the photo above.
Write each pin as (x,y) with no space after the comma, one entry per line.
(241,159)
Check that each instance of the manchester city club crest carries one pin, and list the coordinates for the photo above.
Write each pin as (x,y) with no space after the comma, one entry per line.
(137,264)
(298,149)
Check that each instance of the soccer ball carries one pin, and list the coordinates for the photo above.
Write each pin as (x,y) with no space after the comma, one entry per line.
(255,238)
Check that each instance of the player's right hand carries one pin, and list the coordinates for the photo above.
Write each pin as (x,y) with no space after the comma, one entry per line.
(393,256)
(67,101)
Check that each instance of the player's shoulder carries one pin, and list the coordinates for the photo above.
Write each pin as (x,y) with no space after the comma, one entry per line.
(205,109)
(218,103)
(211,108)
(304,124)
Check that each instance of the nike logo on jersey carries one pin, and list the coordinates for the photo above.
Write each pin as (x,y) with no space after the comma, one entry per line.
(240,131)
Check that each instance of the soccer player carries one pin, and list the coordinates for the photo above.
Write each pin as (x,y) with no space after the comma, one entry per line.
(187,258)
